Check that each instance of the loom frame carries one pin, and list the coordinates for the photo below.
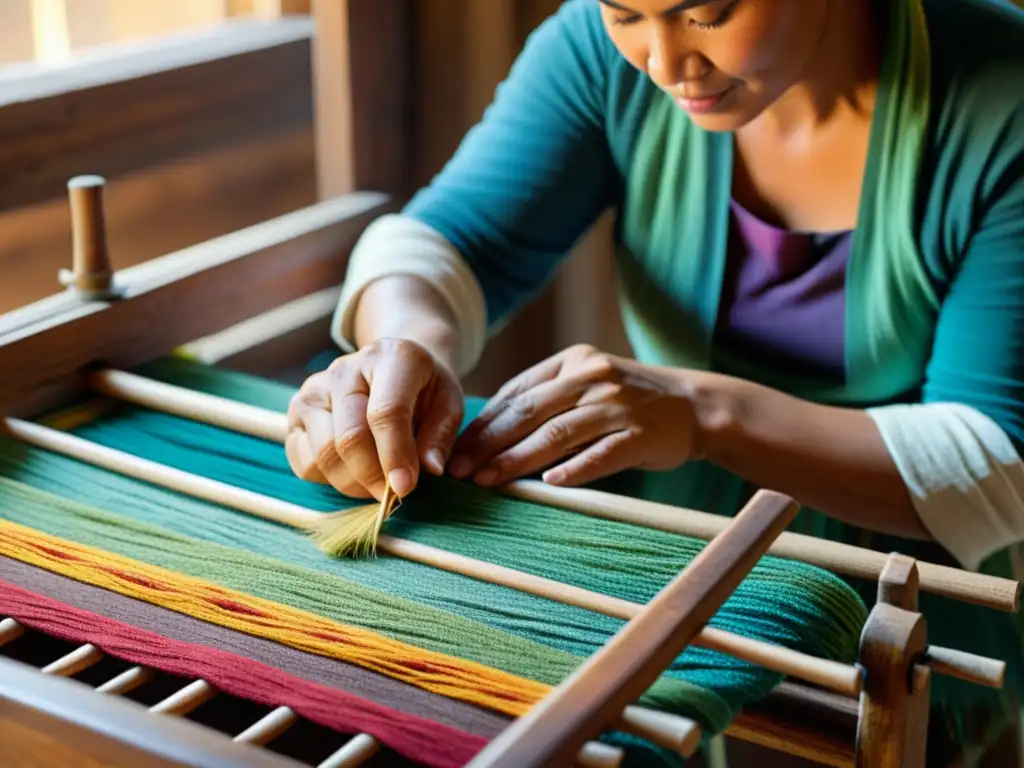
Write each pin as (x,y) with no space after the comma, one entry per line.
(47,355)
(47,347)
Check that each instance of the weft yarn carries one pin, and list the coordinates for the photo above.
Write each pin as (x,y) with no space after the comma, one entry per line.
(430,743)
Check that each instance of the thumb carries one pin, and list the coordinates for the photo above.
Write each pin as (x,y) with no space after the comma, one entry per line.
(441,415)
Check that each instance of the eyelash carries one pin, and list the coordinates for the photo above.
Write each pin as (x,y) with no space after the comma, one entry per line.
(722,19)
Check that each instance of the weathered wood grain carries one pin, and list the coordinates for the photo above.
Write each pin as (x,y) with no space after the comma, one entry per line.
(134,106)
(59,722)
(180,297)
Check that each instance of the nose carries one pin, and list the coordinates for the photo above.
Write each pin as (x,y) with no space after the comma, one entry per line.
(670,61)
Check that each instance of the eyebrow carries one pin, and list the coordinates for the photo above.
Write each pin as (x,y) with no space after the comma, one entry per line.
(685,5)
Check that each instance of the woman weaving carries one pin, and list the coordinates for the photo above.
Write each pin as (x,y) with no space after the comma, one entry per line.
(821,260)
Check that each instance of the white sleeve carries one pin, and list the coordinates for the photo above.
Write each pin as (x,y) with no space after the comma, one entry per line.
(400,245)
(963,473)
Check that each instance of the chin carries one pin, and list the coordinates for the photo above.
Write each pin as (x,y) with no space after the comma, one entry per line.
(724,122)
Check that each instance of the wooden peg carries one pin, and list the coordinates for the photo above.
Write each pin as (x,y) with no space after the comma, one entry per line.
(893,724)
(91,273)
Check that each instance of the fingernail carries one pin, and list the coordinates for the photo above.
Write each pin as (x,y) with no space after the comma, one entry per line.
(400,481)
(460,466)
(554,476)
(487,477)
(435,460)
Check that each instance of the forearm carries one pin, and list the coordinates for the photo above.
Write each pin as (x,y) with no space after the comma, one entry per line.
(406,307)
(827,458)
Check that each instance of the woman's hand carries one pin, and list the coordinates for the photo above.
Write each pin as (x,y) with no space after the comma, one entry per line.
(584,415)
(381,412)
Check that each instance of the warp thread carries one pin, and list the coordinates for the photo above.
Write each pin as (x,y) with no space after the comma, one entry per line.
(429,743)
(448,676)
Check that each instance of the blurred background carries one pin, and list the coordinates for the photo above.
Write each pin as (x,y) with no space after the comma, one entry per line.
(202,115)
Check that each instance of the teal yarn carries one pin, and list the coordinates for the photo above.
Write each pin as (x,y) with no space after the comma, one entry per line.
(783,602)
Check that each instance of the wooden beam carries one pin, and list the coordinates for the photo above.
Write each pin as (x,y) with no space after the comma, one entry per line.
(175,299)
(47,720)
(129,107)
(161,210)
(362,72)
(584,704)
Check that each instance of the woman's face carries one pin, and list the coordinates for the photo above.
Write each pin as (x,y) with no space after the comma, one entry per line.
(724,61)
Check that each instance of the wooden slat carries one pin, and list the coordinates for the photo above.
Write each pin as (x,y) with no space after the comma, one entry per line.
(585,703)
(161,210)
(180,297)
(362,63)
(132,106)
(54,721)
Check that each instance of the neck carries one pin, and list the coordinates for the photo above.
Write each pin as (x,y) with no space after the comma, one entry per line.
(840,77)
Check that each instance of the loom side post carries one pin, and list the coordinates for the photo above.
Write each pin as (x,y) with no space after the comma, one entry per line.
(892,729)
(588,701)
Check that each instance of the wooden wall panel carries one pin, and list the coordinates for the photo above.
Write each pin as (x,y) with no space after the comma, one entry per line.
(161,210)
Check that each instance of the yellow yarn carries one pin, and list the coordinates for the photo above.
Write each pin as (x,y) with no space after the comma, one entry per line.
(439,673)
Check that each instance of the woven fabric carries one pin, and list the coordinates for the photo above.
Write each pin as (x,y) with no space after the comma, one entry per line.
(788,603)
(432,743)
(323,670)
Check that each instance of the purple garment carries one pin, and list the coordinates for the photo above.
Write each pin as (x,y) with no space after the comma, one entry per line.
(783,299)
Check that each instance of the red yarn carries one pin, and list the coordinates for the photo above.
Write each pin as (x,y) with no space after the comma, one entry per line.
(425,741)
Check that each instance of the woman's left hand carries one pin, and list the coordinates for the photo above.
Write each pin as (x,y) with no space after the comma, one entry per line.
(584,415)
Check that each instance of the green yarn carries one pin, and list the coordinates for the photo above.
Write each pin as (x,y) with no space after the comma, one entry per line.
(788,603)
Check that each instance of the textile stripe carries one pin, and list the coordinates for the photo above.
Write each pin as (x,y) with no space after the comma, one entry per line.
(432,743)
(330,672)
(445,675)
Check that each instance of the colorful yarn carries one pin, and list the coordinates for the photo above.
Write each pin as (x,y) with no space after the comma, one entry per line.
(527,637)
(204,600)
(333,673)
(428,742)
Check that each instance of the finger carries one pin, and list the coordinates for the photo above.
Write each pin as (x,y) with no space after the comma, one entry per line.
(608,456)
(317,426)
(545,370)
(441,414)
(554,440)
(391,408)
(351,436)
(313,393)
(300,457)
(521,416)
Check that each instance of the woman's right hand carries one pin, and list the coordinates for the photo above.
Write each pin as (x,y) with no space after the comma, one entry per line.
(384,411)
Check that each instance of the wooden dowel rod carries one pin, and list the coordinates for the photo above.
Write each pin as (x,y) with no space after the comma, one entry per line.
(81,658)
(582,705)
(10,630)
(975,588)
(833,675)
(127,681)
(842,678)
(159,474)
(364,747)
(668,731)
(355,753)
(595,754)
(966,666)
(187,700)
(268,727)
(965,586)
(199,406)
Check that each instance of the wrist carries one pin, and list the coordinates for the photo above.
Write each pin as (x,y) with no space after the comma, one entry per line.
(717,405)
(405,307)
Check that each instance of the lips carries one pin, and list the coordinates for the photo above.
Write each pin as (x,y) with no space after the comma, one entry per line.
(702,104)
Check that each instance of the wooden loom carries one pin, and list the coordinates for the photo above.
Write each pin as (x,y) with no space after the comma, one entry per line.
(873,714)
(82,340)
